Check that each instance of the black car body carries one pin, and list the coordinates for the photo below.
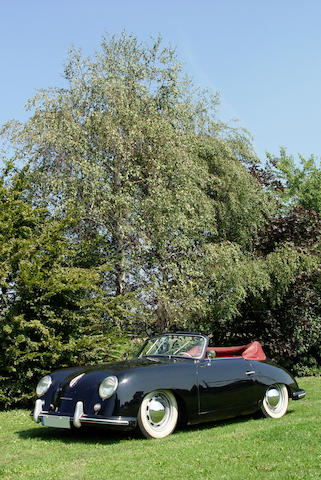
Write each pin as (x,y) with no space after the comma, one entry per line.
(177,376)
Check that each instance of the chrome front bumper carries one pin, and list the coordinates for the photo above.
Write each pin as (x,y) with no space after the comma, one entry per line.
(79,418)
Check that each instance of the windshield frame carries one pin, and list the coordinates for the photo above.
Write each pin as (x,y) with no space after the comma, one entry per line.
(182,334)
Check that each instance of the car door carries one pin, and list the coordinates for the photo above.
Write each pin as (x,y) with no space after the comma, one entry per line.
(226,386)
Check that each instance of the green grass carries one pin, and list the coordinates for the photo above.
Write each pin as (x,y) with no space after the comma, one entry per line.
(240,449)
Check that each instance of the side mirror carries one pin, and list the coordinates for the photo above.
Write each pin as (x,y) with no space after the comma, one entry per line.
(211,354)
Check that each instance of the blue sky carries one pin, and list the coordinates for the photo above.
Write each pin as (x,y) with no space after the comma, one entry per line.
(263,56)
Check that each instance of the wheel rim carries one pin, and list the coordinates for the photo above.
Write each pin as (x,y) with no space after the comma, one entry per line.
(274,398)
(158,411)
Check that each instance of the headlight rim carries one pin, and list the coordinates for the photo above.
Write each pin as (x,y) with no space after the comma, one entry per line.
(105,396)
(42,389)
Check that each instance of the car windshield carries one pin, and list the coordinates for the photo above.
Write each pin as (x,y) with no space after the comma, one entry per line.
(177,345)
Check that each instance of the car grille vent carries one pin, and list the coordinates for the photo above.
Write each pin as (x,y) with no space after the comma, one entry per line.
(75,380)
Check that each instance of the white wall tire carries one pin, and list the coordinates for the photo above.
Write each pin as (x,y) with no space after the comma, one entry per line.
(276,400)
(158,414)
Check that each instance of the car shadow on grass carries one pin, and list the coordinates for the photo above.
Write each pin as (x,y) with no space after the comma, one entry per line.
(85,434)
(227,421)
(101,435)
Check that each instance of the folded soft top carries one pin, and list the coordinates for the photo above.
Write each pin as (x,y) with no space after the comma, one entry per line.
(251,351)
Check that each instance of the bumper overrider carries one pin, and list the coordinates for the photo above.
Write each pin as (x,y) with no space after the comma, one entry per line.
(299,394)
(50,419)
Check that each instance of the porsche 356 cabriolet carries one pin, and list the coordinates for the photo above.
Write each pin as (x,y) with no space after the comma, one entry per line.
(176,377)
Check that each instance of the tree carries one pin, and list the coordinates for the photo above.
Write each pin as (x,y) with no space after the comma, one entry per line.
(285,313)
(297,225)
(53,313)
(153,174)
(301,184)
(286,317)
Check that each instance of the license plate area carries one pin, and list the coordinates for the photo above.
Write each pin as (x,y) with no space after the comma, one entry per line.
(55,421)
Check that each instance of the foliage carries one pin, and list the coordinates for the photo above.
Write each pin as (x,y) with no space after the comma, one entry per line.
(285,314)
(286,317)
(140,211)
(273,294)
(154,175)
(240,204)
(52,313)
(298,225)
(291,326)
(301,183)
(231,276)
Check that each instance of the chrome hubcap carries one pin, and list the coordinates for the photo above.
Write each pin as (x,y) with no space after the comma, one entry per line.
(273,397)
(158,411)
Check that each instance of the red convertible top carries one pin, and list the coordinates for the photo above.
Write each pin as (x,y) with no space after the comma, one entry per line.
(251,351)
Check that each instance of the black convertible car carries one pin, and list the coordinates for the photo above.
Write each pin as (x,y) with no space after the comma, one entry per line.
(176,376)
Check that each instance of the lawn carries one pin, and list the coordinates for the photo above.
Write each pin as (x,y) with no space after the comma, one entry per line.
(240,449)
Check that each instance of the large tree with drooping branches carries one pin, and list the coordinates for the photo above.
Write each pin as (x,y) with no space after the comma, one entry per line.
(139,152)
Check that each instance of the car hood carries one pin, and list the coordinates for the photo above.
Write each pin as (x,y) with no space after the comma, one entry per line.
(116,367)
(96,373)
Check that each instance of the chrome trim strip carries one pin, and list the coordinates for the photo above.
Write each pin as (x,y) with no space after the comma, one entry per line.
(75,380)
(106,421)
(98,421)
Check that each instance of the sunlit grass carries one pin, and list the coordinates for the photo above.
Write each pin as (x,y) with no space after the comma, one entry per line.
(240,449)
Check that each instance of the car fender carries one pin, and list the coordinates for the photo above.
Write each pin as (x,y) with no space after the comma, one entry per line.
(268,374)
(133,385)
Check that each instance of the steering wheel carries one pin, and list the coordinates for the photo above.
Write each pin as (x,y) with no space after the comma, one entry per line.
(188,354)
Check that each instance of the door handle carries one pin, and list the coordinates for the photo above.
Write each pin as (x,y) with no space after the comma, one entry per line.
(250,372)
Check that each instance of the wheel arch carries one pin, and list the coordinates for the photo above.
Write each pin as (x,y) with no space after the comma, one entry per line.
(269,373)
(182,407)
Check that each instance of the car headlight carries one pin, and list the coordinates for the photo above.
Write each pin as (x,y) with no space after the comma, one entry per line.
(108,386)
(43,385)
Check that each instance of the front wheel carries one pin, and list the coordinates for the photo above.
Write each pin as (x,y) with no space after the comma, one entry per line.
(275,402)
(158,413)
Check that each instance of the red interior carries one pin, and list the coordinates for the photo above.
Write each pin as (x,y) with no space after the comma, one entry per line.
(251,351)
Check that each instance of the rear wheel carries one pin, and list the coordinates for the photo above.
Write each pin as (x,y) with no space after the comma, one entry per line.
(275,402)
(158,413)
